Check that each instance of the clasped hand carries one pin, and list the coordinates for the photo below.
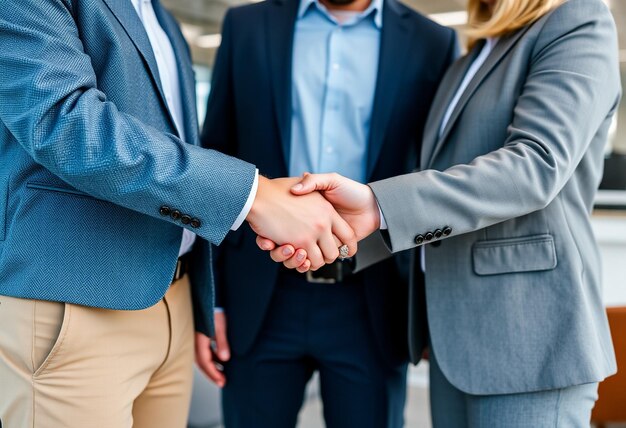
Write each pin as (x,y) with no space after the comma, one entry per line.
(303,221)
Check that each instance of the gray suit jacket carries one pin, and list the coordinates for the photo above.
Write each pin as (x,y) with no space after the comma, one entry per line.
(513,281)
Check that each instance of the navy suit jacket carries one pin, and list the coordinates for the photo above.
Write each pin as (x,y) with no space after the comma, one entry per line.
(249,116)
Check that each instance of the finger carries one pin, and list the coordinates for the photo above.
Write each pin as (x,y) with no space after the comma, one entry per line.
(214,373)
(345,234)
(316,257)
(204,359)
(329,247)
(305,267)
(221,338)
(265,244)
(297,260)
(313,182)
(282,253)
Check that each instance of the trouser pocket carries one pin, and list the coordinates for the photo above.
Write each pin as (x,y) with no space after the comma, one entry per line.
(30,332)
(50,321)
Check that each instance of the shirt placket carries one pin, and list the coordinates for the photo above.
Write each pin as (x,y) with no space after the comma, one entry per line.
(331,116)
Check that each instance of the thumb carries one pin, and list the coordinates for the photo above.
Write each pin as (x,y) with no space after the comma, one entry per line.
(312,182)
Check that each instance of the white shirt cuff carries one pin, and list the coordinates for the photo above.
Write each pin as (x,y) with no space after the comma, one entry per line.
(383,222)
(248,206)
(218,310)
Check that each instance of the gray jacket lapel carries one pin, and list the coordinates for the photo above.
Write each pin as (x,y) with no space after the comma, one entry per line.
(448,87)
(499,51)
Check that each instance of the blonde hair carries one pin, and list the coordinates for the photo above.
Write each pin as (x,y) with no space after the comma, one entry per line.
(507,16)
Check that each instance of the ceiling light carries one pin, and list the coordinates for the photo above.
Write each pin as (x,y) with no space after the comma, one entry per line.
(450,19)
(191,32)
(208,41)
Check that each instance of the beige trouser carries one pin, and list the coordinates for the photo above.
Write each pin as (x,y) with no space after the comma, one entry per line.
(66,366)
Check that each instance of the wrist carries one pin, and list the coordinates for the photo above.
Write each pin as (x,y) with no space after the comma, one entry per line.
(256,207)
(374,209)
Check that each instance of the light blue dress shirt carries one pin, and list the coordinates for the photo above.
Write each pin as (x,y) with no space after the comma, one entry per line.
(335,65)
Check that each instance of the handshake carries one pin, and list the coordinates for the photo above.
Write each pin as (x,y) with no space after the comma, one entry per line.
(304,221)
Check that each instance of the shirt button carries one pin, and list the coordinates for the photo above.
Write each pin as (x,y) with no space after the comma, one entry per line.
(329,150)
(336,66)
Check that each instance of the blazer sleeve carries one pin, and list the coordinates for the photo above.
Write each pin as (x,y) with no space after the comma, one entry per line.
(53,108)
(374,249)
(571,88)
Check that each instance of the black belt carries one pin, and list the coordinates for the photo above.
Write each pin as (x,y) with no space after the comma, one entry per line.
(332,273)
(182,267)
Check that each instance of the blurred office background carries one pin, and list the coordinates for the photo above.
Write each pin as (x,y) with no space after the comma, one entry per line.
(201,24)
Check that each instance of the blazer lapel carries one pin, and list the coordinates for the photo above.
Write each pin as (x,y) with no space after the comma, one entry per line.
(499,51)
(280,21)
(448,87)
(126,14)
(393,47)
(185,72)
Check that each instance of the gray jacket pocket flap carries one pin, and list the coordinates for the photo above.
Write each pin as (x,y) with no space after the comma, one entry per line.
(526,254)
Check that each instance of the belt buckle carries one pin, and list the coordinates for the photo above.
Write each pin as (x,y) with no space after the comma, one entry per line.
(310,278)
(336,268)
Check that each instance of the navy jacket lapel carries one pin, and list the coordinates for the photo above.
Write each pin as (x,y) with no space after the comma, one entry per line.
(280,20)
(185,72)
(393,46)
(126,14)
(499,51)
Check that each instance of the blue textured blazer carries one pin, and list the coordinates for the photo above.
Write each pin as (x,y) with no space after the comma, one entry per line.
(249,116)
(90,160)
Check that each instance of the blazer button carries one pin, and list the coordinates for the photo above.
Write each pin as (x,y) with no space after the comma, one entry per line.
(165,210)
(185,219)
(419,239)
(176,214)
(438,233)
(447,231)
(429,236)
(195,223)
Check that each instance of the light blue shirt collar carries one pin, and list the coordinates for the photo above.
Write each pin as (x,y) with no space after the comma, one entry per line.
(375,7)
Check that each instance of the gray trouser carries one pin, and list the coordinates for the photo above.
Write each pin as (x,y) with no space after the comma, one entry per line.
(567,407)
